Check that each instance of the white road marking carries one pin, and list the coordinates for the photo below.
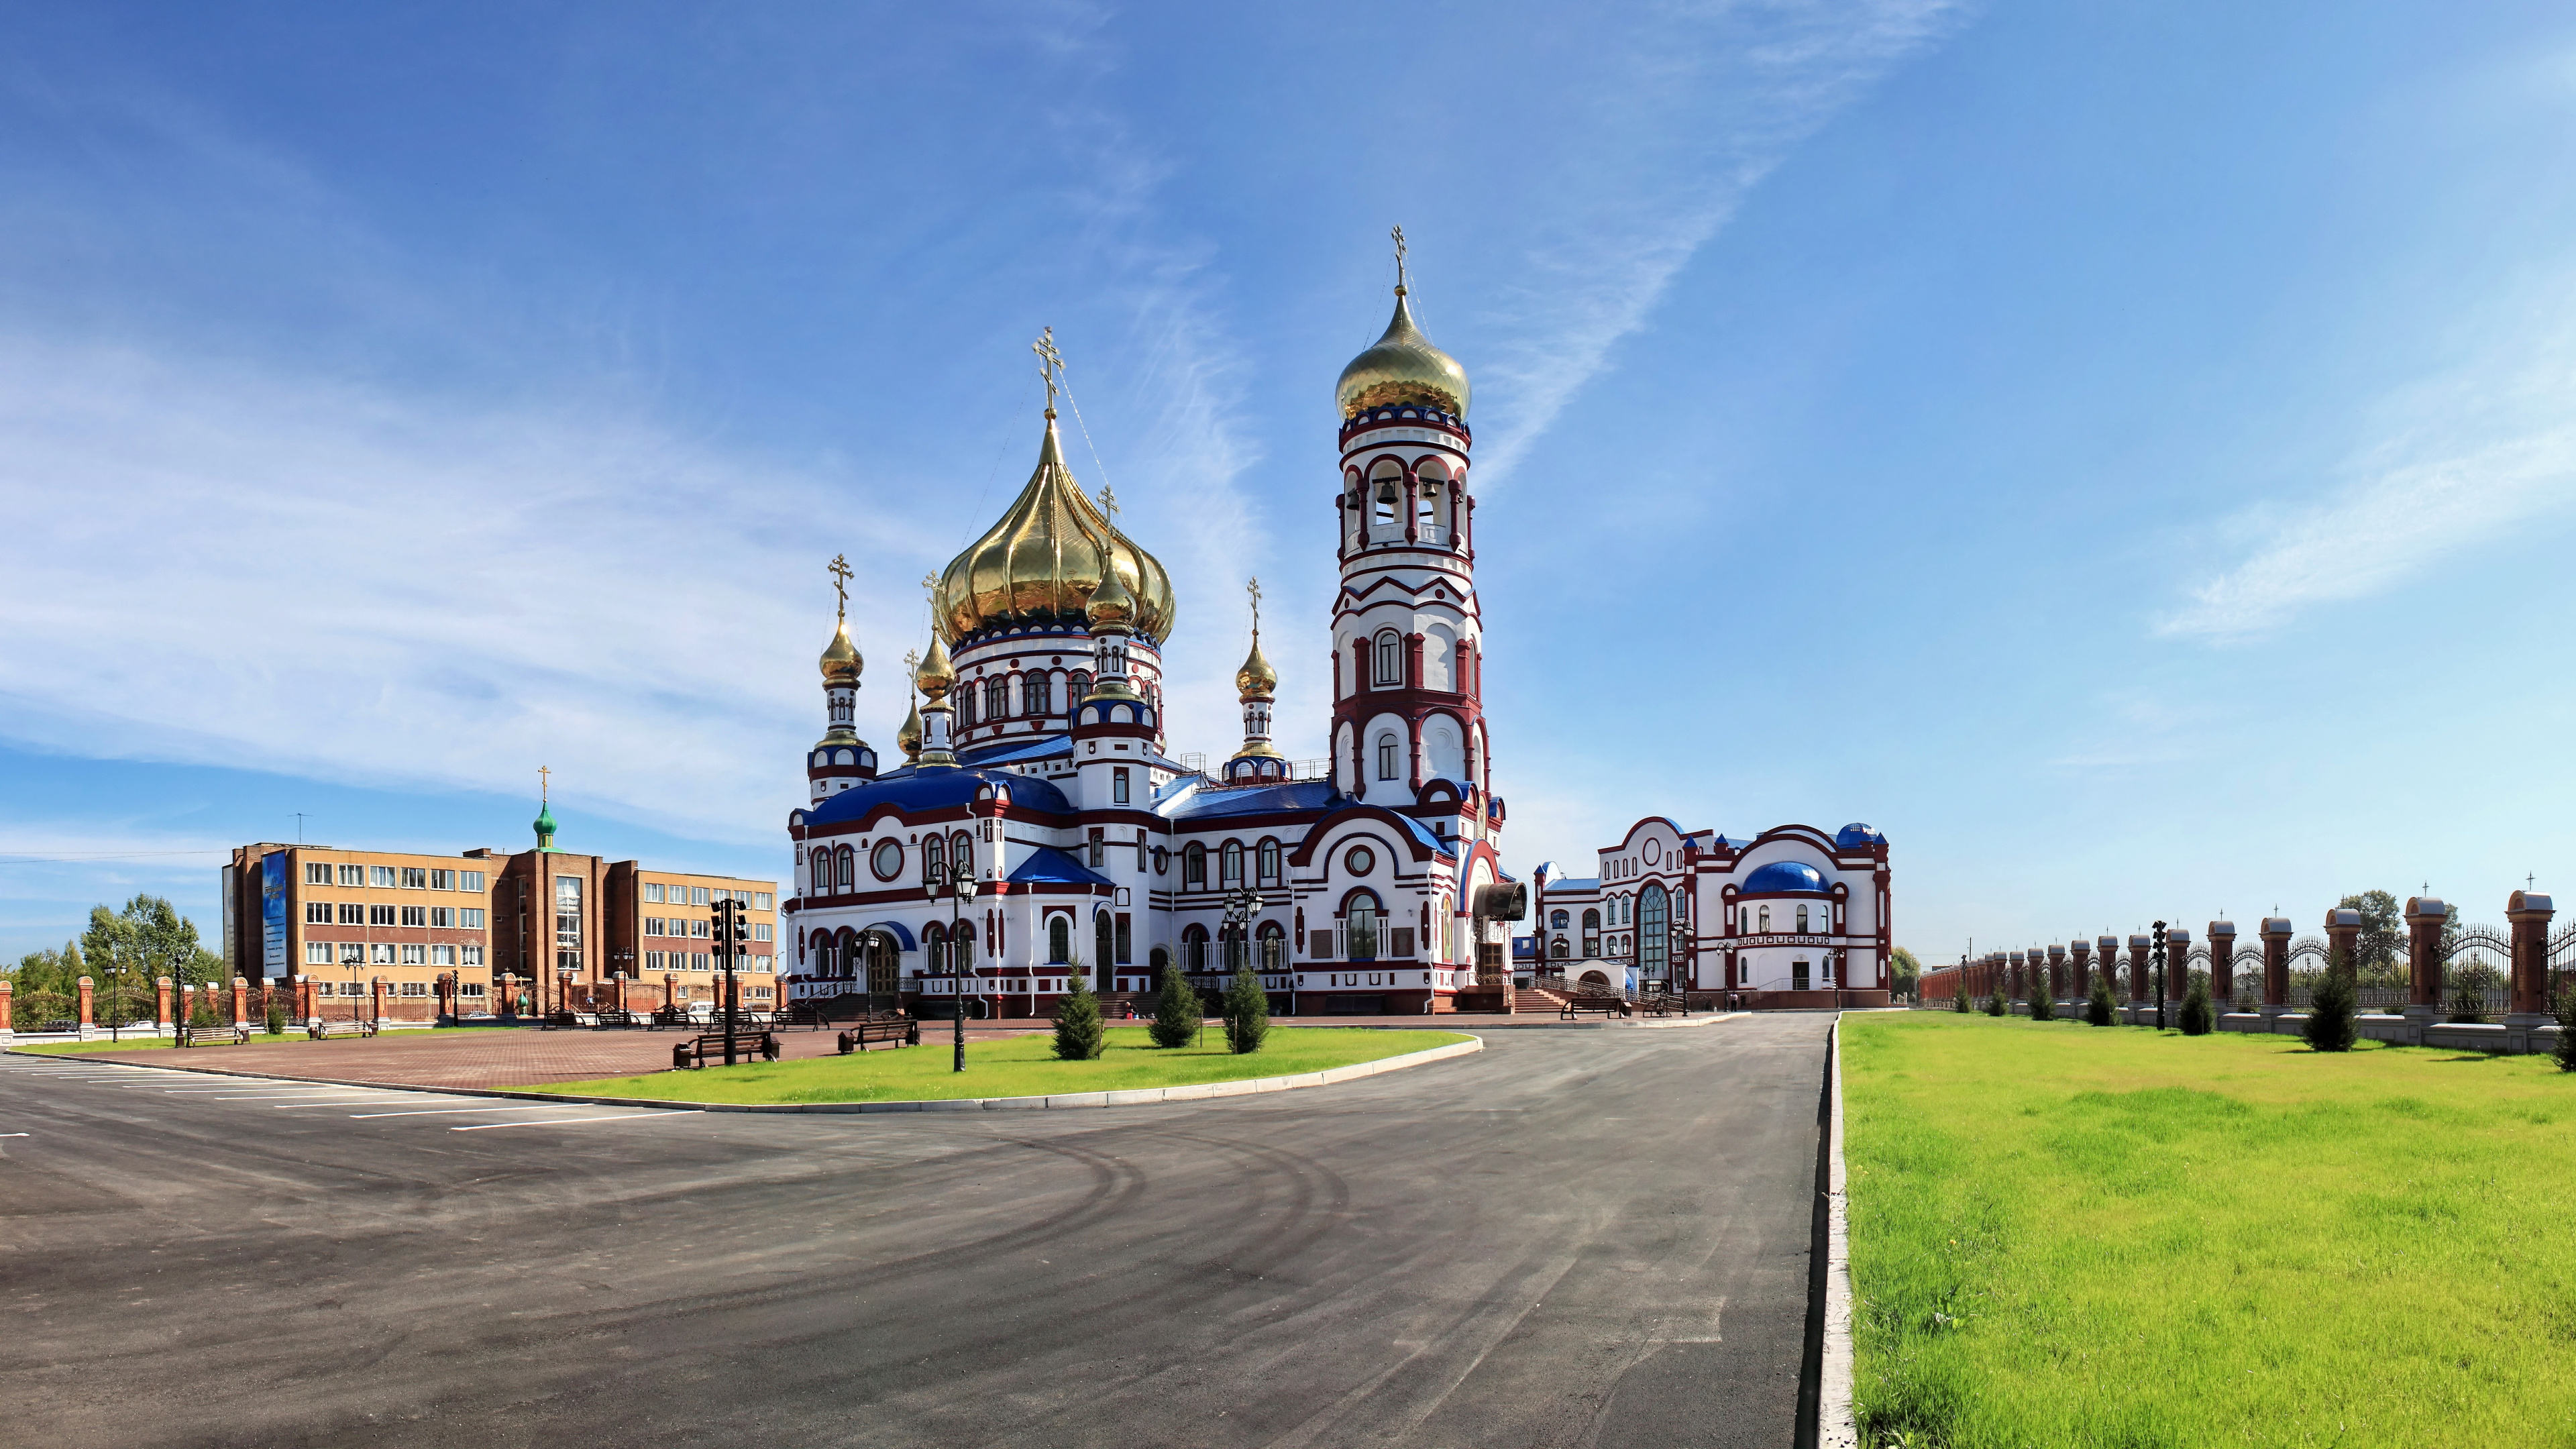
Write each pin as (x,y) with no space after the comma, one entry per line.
(451,1111)
(12,1134)
(568,1121)
(326,1102)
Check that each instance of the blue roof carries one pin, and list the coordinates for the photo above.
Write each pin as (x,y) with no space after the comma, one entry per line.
(1786,876)
(1857,836)
(917,791)
(1018,752)
(1571,883)
(1047,863)
(1260,800)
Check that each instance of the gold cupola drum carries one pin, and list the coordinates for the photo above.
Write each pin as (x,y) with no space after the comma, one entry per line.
(1402,368)
(1041,563)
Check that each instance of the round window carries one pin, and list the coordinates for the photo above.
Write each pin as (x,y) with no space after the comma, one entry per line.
(887,859)
(1654,851)
(1162,861)
(1360,861)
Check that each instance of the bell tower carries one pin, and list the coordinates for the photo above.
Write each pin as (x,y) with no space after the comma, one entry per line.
(1408,656)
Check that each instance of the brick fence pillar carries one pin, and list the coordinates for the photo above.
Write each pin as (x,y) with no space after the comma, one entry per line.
(5,1027)
(307,1006)
(2222,966)
(161,1017)
(2343,938)
(241,1001)
(2082,967)
(2529,912)
(88,1003)
(2425,918)
(2142,974)
(2106,957)
(2177,964)
(2056,972)
(2276,965)
(2016,983)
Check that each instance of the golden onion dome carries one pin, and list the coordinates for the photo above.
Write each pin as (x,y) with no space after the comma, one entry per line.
(841,662)
(1256,679)
(936,673)
(1111,606)
(1402,367)
(1044,560)
(908,737)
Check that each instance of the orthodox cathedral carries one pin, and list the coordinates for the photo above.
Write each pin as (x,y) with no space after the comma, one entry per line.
(1040,827)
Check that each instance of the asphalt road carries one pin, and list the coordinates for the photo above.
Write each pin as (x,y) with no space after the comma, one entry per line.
(1573,1238)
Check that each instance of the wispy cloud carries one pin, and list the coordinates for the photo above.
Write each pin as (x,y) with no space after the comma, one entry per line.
(1710,100)
(2462,459)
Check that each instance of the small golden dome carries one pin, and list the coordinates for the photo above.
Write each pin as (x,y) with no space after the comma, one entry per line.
(1110,605)
(1256,679)
(841,662)
(1044,559)
(936,674)
(1402,367)
(908,738)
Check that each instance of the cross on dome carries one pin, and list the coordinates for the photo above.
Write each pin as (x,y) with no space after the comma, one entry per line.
(839,569)
(1050,365)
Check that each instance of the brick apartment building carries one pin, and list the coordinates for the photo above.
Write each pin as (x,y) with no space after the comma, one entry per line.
(413,936)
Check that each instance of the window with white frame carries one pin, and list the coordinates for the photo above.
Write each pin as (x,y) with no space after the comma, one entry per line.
(442,917)
(381,954)
(442,955)
(353,875)
(469,918)
(317,913)
(653,926)
(415,877)
(763,931)
(471,880)
(317,953)
(697,895)
(415,988)
(352,954)
(381,876)
(415,915)
(442,880)
(316,873)
(764,900)
(653,892)
(1386,757)
(415,955)
(469,955)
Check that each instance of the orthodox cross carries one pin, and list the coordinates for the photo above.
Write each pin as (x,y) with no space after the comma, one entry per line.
(1050,365)
(1398,233)
(912,666)
(543,781)
(1109,506)
(1254,589)
(840,572)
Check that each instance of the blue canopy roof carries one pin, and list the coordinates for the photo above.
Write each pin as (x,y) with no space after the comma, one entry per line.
(1260,800)
(917,791)
(1857,836)
(1786,877)
(1048,864)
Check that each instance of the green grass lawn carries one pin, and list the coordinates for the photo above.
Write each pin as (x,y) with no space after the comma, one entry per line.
(1022,1066)
(257,1038)
(2073,1235)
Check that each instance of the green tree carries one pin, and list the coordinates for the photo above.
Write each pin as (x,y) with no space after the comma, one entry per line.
(2564,1052)
(1079,1036)
(1247,1012)
(1959,994)
(1178,1012)
(133,948)
(2331,1025)
(2383,935)
(2041,1007)
(1995,1005)
(1903,971)
(2197,1018)
(2099,1008)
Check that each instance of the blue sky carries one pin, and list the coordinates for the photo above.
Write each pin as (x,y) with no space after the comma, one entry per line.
(2123,452)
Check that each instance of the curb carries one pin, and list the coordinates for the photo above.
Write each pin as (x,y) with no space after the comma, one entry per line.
(1131,1097)
(1836,1428)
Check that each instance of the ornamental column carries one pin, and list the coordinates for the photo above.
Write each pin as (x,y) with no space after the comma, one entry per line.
(2529,912)
(161,1003)
(2343,938)
(241,1000)
(2276,969)
(2222,966)
(2177,964)
(2082,950)
(5,1028)
(2142,977)
(2425,918)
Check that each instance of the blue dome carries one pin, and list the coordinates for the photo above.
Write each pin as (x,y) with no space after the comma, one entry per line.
(1786,877)
(1857,836)
(917,792)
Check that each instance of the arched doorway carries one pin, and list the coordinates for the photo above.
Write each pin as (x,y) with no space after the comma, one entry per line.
(883,968)
(1654,934)
(1104,945)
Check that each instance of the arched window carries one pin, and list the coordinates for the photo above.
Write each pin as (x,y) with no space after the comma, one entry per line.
(1229,864)
(1078,691)
(1654,933)
(1361,920)
(1764,927)
(1194,867)
(1386,757)
(1591,933)
(1194,942)
(961,855)
(1104,938)
(1558,920)
(1390,658)
(1059,940)
(1802,920)
(1273,941)
(1268,862)
(997,698)
(934,948)
(1426,513)
(845,867)
(961,951)
(1237,954)
(934,861)
(966,706)
(1559,952)
(1034,693)
(823,956)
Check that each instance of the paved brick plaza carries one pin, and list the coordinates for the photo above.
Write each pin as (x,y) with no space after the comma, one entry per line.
(529,1056)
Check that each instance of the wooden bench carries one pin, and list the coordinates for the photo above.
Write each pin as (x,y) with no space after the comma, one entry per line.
(890,1026)
(693,1053)
(1664,1004)
(325,1030)
(1605,1002)
(612,1017)
(196,1036)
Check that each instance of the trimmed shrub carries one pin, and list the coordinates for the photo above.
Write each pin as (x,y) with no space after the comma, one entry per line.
(1247,1012)
(2099,1008)
(2042,1008)
(1959,998)
(2565,1052)
(1178,1013)
(276,1022)
(1995,1005)
(2331,1010)
(2197,1018)
(1078,1033)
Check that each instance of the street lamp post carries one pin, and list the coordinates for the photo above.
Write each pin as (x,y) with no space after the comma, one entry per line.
(729,931)
(2156,953)
(959,897)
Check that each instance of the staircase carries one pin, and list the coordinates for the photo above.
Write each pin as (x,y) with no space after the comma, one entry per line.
(1538,998)
(1122,1005)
